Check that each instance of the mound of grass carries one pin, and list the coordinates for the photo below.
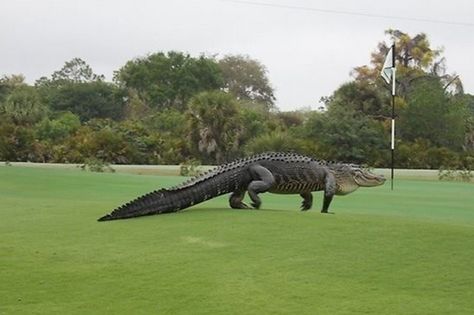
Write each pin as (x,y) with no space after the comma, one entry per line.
(409,251)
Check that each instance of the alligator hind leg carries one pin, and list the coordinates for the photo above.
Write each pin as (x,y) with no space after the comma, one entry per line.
(307,200)
(236,198)
(263,181)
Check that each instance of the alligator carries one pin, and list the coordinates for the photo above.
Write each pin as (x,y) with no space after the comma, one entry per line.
(274,172)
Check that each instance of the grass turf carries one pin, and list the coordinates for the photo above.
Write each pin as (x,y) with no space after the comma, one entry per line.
(409,251)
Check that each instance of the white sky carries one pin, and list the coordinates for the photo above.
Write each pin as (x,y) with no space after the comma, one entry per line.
(308,53)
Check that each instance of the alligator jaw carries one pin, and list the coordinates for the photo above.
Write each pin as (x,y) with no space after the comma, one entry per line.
(367,179)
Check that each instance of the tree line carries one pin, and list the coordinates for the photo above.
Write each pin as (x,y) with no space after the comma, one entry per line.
(172,108)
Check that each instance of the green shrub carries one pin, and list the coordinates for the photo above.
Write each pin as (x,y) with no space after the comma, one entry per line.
(279,141)
(190,168)
(464,175)
(421,154)
(55,130)
(96,165)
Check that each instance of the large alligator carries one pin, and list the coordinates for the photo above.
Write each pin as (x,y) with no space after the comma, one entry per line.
(280,173)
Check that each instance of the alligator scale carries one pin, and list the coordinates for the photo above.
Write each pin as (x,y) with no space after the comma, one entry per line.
(280,173)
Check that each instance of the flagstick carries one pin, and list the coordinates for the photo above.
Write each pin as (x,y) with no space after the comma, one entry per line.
(393,140)
(393,116)
(389,68)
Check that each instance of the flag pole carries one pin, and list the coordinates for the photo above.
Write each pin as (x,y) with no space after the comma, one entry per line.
(393,117)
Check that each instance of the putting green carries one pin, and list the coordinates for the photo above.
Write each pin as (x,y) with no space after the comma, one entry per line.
(407,251)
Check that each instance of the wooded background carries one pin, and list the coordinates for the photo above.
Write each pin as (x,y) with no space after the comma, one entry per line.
(172,108)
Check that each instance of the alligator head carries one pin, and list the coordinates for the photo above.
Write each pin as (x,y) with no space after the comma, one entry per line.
(349,177)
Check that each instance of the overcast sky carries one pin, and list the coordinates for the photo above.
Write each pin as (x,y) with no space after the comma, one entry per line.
(308,52)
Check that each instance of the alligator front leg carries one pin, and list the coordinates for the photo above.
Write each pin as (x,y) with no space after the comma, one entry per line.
(326,202)
(263,180)
(307,200)
(236,198)
(329,191)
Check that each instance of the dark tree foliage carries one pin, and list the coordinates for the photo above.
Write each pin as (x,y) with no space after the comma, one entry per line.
(469,136)
(89,100)
(214,126)
(364,99)
(433,115)
(23,106)
(279,141)
(16,143)
(58,128)
(247,80)
(347,135)
(170,108)
(74,71)
(9,84)
(169,80)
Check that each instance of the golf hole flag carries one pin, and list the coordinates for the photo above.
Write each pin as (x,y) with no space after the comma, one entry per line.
(388,68)
(388,74)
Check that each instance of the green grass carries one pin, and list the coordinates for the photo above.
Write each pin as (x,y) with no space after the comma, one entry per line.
(410,251)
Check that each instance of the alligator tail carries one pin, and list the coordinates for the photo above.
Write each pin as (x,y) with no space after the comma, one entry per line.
(172,200)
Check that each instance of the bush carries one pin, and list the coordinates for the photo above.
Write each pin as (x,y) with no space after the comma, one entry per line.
(421,154)
(16,142)
(279,142)
(190,168)
(96,165)
(464,175)
(55,130)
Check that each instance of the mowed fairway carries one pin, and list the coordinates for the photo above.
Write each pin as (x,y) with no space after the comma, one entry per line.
(410,251)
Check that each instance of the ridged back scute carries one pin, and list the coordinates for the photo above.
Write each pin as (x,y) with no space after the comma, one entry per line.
(288,157)
(143,205)
(338,166)
(143,199)
(206,176)
(240,163)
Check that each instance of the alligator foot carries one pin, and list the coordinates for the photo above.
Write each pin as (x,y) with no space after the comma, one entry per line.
(307,201)
(327,212)
(236,198)
(305,205)
(256,205)
(241,206)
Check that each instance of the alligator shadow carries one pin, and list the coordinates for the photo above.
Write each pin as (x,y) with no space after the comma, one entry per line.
(203,210)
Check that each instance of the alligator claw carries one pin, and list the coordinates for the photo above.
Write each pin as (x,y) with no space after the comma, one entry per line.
(256,205)
(305,206)
(245,206)
(241,206)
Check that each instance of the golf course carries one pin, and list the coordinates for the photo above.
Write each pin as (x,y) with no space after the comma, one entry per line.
(406,251)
